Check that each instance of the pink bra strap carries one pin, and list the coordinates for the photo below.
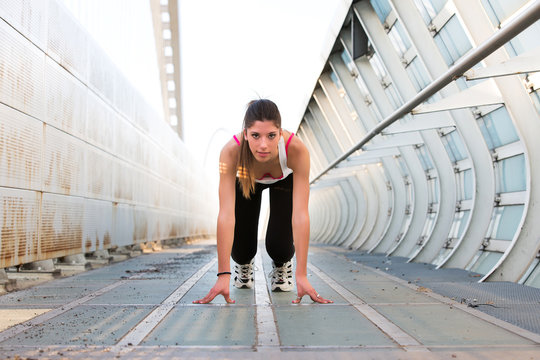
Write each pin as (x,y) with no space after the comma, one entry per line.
(235,138)
(287,145)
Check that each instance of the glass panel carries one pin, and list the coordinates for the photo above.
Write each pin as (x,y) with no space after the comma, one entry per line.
(502,9)
(468,184)
(460,222)
(505,221)
(429,8)
(527,39)
(378,67)
(454,146)
(382,8)
(463,221)
(443,253)
(512,174)
(393,96)
(418,74)
(436,4)
(399,38)
(534,278)
(344,95)
(424,158)
(433,187)
(486,262)
(428,226)
(498,126)
(423,11)
(402,166)
(452,41)
(536,100)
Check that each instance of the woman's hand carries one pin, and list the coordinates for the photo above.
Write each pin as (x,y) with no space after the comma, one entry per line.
(303,287)
(220,288)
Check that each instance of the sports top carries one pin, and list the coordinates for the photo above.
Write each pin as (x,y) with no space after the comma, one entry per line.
(282,154)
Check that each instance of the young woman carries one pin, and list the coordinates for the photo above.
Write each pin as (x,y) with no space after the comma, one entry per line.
(263,156)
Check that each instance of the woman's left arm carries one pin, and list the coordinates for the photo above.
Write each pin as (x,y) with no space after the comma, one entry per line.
(298,161)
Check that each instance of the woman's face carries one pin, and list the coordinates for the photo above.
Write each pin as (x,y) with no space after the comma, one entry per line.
(263,137)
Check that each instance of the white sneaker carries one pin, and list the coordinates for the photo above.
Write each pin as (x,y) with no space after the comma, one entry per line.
(243,275)
(282,277)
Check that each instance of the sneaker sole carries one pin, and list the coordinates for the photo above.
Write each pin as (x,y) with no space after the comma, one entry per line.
(248,285)
(282,288)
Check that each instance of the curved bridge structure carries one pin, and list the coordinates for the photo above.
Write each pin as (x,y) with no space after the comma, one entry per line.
(423,129)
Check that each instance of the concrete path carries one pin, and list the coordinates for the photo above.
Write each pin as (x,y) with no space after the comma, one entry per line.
(142,309)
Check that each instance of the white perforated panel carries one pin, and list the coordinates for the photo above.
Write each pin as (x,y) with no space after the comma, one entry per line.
(20,149)
(21,73)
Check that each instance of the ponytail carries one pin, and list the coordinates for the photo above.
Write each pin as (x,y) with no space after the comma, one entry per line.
(245,169)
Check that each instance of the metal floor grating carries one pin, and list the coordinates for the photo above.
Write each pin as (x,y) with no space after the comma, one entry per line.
(514,303)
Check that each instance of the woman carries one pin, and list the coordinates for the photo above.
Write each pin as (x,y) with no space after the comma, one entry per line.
(263,156)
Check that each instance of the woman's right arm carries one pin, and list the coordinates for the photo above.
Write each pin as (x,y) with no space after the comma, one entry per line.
(225,222)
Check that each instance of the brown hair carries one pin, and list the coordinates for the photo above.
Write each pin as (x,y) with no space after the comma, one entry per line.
(257,110)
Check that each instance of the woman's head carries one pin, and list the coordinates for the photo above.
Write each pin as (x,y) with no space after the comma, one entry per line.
(261,133)
(262,110)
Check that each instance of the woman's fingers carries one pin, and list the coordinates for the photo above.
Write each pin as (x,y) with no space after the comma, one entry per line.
(211,296)
(318,298)
(205,300)
(314,296)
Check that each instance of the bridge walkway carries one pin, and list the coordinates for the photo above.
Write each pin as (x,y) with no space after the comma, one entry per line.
(384,308)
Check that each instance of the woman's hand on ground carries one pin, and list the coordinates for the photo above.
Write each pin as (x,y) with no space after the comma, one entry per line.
(303,287)
(220,288)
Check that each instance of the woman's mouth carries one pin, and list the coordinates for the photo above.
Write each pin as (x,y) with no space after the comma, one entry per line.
(263,154)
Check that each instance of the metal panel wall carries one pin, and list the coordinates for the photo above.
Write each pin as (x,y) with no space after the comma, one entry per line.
(85,163)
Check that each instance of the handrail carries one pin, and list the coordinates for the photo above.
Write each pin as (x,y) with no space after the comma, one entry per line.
(513,28)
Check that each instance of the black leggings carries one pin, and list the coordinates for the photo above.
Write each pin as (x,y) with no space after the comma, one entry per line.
(279,238)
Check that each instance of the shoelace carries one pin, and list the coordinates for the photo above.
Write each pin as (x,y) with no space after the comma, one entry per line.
(245,269)
(280,271)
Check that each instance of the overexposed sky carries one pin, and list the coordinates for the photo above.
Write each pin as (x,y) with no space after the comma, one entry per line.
(236,51)
(231,52)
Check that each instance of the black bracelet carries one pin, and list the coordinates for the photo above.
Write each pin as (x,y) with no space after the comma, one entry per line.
(224,273)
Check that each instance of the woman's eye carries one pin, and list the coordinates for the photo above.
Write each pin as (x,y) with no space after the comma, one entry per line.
(255,136)
(272,136)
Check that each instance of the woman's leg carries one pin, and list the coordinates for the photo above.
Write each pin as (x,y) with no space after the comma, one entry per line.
(279,237)
(246,225)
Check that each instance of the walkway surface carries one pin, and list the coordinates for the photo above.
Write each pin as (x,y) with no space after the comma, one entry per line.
(142,309)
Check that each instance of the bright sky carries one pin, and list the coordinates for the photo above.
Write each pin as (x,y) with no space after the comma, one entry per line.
(235,51)
(232,52)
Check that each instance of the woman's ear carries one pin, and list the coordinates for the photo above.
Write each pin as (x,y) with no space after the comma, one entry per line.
(245,134)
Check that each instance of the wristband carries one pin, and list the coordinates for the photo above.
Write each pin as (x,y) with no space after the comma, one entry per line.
(224,273)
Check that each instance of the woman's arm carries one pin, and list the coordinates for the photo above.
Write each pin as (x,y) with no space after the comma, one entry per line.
(225,222)
(298,161)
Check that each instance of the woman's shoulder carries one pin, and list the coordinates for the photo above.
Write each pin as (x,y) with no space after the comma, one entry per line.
(294,144)
(231,149)
(297,152)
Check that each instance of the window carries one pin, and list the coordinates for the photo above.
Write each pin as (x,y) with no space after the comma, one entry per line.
(461,218)
(505,221)
(424,158)
(500,11)
(429,8)
(399,38)
(454,146)
(382,8)
(452,41)
(497,128)
(468,184)
(418,74)
(511,174)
